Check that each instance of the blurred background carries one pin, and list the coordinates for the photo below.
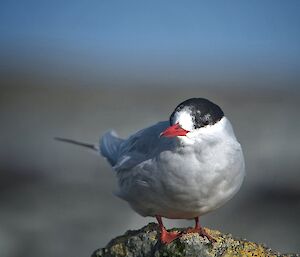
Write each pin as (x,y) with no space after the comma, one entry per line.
(79,68)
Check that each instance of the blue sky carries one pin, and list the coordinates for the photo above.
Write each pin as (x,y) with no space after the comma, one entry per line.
(139,37)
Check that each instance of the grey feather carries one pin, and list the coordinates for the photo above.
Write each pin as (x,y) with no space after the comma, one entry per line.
(110,145)
(79,143)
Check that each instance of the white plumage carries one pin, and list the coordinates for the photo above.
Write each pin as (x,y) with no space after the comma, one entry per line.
(178,169)
(179,177)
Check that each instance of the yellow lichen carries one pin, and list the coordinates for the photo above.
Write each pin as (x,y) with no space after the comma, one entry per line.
(153,237)
(118,250)
(213,232)
(247,249)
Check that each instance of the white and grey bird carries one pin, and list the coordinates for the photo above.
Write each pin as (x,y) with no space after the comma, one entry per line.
(178,169)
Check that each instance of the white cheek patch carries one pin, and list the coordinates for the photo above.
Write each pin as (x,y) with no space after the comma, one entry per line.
(184,119)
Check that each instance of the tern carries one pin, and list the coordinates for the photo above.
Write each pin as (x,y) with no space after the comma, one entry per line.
(182,168)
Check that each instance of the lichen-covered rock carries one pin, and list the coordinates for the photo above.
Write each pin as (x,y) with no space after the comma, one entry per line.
(145,242)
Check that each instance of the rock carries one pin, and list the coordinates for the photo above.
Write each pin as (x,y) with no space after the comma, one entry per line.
(145,242)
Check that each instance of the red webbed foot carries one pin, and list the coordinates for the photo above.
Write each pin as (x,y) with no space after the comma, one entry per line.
(165,236)
(168,237)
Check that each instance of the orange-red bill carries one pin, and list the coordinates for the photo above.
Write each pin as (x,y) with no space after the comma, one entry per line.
(174,131)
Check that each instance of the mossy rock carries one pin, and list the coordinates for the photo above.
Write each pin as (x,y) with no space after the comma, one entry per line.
(145,242)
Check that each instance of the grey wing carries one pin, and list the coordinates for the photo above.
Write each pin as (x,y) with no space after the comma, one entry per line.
(109,146)
(144,145)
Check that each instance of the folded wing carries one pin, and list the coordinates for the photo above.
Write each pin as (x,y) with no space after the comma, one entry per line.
(144,145)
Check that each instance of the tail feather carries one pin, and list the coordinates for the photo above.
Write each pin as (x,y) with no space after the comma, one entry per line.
(75,142)
(109,146)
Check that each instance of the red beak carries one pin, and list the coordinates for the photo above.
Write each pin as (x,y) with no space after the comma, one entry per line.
(174,131)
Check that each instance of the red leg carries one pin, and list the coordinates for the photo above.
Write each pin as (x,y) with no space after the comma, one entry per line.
(201,231)
(165,236)
(197,224)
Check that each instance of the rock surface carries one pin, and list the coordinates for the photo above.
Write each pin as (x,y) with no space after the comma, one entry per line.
(145,242)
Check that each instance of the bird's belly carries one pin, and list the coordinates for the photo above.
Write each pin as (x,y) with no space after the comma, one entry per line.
(181,189)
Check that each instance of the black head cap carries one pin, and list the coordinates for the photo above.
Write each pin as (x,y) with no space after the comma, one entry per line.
(203,112)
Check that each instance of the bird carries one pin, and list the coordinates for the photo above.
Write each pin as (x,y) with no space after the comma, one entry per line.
(180,168)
